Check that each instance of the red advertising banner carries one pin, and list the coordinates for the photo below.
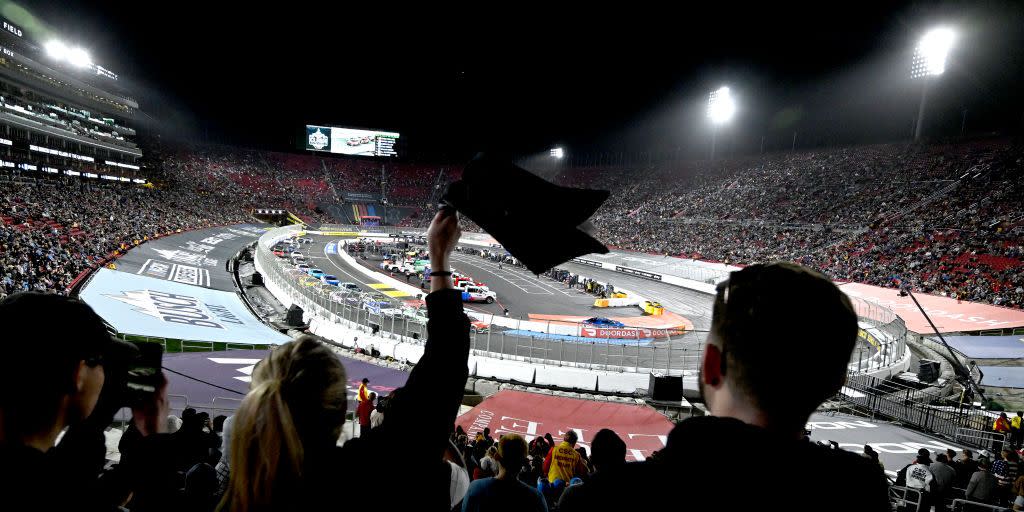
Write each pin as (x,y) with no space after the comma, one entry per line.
(627,332)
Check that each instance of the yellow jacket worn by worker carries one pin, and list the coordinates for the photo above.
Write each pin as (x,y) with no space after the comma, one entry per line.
(563,462)
(1015,422)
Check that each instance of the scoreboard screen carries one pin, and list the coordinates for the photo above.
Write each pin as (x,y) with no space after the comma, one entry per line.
(350,141)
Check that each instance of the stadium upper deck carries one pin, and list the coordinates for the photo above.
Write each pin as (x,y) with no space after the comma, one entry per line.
(60,110)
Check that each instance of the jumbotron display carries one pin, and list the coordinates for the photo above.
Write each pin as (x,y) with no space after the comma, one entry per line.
(350,141)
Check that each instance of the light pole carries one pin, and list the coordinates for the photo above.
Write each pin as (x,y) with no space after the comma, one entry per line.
(929,61)
(721,108)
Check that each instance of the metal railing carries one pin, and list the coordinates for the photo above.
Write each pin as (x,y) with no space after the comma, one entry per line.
(905,498)
(542,342)
(924,411)
(173,346)
(977,506)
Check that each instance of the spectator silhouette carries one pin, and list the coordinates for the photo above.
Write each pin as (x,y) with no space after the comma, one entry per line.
(760,395)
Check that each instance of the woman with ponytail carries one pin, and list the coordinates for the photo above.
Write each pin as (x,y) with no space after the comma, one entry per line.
(284,453)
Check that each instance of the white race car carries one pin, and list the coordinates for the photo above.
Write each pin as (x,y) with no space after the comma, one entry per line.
(478,294)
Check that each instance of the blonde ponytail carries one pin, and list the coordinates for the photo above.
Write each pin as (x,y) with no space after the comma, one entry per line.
(297,395)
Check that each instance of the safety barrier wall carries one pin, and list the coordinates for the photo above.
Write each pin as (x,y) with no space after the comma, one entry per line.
(533,343)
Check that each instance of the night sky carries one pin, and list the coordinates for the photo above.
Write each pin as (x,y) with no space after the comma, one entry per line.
(625,77)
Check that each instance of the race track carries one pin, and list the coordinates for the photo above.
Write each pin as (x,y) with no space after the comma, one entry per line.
(523,293)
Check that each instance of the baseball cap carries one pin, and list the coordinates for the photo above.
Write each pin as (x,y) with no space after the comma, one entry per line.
(45,325)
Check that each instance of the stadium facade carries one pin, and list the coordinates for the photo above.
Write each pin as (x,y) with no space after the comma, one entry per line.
(60,113)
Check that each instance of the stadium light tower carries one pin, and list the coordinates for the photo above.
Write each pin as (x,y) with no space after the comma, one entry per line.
(930,61)
(56,50)
(721,108)
(558,153)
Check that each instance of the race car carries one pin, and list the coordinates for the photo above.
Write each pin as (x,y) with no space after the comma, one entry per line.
(329,279)
(381,307)
(463,285)
(302,267)
(603,322)
(354,142)
(477,294)
(317,273)
(416,315)
(479,327)
(279,253)
(352,287)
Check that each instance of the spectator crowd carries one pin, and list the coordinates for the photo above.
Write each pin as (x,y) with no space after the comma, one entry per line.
(945,219)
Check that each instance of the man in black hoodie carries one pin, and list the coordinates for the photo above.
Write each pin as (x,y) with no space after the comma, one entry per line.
(779,346)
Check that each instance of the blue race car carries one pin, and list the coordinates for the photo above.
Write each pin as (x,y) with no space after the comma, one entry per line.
(317,273)
(603,322)
(329,279)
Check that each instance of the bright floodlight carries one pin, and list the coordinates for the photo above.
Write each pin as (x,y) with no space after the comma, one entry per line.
(79,58)
(56,50)
(721,106)
(931,52)
(557,152)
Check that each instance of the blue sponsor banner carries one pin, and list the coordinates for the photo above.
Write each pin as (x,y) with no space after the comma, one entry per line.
(331,248)
(136,304)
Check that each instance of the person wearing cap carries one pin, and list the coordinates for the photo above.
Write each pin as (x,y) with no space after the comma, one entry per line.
(920,477)
(63,370)
(505,492)
(780,343)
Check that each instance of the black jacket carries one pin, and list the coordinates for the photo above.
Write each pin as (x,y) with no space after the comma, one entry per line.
(398,465)
(713,463)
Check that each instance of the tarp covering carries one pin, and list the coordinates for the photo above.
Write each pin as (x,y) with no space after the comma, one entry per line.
(530,414)
(987,347)
(232,370)
(948,314)
(1003,376)
(136,304)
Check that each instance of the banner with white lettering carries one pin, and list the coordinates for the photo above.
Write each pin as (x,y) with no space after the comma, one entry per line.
(530,415)
(137,304)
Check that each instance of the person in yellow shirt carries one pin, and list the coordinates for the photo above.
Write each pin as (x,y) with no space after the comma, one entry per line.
(562,462)
(364,393)
(1015,432)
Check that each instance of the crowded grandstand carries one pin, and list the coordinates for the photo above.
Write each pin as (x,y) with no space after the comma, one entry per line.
(356,318)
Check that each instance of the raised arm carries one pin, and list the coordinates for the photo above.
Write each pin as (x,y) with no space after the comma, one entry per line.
(429,401)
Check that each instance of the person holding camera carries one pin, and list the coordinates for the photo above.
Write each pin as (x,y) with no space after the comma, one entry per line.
(284,453)
(63,370)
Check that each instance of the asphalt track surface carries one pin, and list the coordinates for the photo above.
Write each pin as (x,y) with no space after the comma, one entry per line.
(523,293)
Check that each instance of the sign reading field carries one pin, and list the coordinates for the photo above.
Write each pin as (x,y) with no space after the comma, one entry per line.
(136,304)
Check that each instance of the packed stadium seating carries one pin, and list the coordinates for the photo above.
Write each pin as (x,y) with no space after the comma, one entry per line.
(945,218)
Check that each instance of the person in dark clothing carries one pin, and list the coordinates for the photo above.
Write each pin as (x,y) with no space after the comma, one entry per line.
(608,454)
(61,370)
(965,468)
(760,395)
(284,434)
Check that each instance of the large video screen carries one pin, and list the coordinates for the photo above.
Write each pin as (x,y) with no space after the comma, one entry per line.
(350,141)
